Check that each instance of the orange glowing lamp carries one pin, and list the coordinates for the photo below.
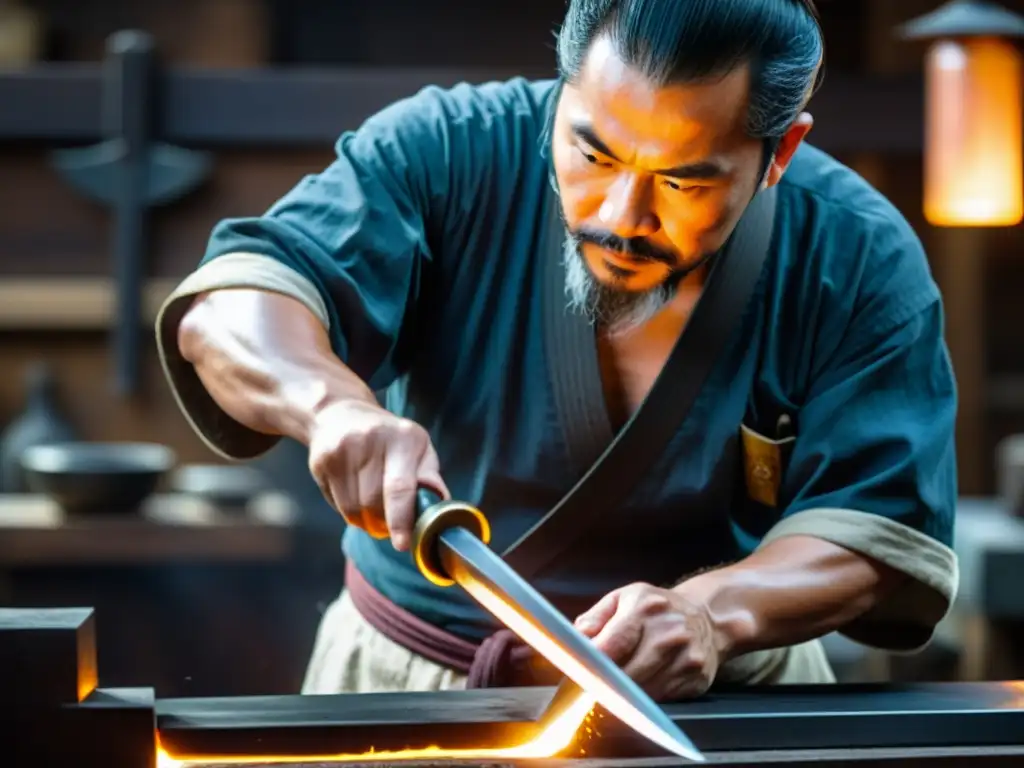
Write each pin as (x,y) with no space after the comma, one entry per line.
(973,163)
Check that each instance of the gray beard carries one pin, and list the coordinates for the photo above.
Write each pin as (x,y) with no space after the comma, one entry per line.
(615,311)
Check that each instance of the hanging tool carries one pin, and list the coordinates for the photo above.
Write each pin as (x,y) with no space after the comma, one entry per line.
(130,172)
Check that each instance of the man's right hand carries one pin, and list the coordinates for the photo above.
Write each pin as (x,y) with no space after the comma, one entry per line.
(266,360)
(369,464)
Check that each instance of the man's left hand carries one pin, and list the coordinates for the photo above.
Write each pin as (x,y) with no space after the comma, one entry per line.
(662,640)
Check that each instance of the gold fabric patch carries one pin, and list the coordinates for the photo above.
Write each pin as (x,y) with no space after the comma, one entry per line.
(764,464)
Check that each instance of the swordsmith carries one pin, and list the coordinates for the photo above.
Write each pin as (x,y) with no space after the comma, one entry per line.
(450,546)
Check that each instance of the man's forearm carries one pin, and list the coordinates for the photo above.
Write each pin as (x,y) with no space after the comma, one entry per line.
(266,360)
(794,589)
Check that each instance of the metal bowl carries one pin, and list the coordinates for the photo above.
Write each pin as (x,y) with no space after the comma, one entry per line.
(97,478)
(224,485)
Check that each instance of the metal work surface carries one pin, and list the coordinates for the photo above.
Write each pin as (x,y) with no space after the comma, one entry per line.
(996,757)
(868,758)
(755,720)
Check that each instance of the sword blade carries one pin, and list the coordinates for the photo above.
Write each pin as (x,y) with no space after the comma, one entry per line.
(511,599)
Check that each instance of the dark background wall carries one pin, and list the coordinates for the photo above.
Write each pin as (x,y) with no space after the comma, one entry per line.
(238,630)
(47,230)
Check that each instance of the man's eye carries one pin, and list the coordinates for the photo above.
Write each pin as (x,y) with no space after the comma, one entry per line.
(680,187)
(593,159)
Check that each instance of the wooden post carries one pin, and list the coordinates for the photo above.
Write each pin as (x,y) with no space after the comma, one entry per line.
(958,261)
(957,256)
(884,54)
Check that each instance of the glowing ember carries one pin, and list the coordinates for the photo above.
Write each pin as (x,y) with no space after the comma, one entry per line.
(1015,688)
(558,736)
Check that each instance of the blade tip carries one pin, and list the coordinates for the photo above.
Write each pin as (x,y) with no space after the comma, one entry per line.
(690,752)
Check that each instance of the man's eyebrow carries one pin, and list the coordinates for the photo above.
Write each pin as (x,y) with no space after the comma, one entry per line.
(585,132)
(705,170)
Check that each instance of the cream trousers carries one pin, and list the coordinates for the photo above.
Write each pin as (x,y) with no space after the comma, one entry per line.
(350,656)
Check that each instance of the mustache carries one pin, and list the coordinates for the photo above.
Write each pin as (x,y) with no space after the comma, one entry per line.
(635,247)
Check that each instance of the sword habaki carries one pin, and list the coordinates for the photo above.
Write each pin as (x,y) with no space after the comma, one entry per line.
(450,546)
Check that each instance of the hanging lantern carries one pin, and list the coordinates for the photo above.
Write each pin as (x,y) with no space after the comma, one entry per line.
(973,165)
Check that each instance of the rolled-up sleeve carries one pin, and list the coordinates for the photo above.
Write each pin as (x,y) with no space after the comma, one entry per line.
(873,468)
(351,243)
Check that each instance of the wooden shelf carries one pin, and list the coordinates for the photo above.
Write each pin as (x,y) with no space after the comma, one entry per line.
(70,303)
(34,532)
(215,107)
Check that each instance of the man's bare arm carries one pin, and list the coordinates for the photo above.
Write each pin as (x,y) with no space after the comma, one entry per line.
(266,360)
(792,590)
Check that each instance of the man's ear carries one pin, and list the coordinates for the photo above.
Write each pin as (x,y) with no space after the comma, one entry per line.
(787,148)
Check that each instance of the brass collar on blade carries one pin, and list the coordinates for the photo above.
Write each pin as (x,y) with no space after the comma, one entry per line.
(432,523)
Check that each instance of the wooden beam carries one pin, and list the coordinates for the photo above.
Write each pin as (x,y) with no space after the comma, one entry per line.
(958,261)
(309,107)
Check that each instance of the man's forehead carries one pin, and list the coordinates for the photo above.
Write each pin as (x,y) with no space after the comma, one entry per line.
(625,107)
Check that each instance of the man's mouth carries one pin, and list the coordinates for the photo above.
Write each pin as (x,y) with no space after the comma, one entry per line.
(632,252)
(627,261)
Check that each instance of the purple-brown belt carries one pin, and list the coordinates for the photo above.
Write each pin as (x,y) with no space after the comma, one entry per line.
(501,660)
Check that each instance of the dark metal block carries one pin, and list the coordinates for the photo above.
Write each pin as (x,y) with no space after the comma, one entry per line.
(112,728)
(47,656)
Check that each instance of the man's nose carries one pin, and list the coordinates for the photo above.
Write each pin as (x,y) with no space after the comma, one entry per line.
(626,211)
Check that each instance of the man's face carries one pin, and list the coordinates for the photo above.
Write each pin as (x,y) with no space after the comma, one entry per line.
(651,180)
